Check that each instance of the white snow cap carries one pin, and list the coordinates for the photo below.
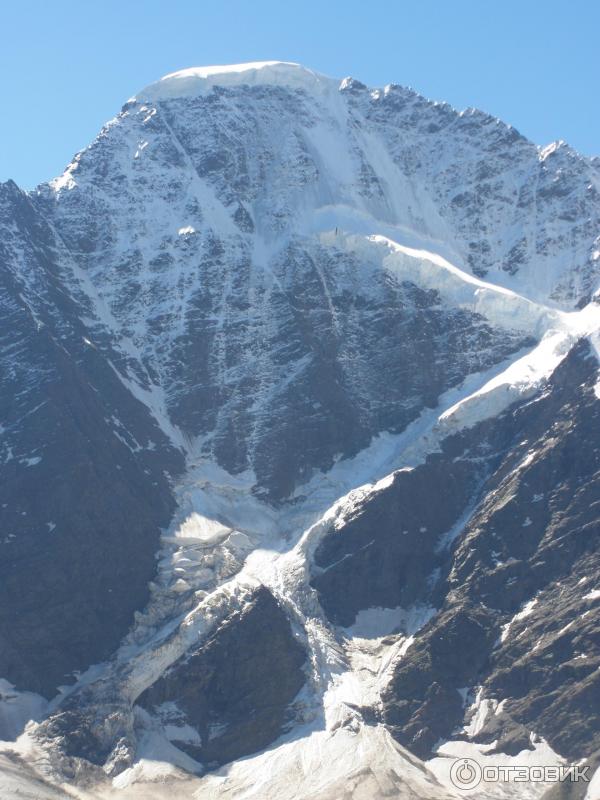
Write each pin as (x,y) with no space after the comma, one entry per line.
(200,80)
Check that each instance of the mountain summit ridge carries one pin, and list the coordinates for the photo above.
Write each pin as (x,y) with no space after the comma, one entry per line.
(423,126)
(201,80)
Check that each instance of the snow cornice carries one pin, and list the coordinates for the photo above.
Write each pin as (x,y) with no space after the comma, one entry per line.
(198,81)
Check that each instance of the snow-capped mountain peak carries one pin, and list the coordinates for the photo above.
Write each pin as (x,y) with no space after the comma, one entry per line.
(201,80)
(299,397)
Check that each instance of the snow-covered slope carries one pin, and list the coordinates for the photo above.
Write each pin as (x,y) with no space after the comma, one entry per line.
(203,216)
(201,80)
(280,147)
(366,322)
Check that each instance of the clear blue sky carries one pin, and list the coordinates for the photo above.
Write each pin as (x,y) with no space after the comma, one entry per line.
(68,66)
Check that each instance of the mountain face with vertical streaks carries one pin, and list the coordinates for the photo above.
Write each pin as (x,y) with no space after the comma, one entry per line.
(298,448)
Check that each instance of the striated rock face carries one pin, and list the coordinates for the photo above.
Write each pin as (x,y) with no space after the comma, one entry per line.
(231,696)
(298,436)
(388,550)
(83,491)
(515,617)
(197,214)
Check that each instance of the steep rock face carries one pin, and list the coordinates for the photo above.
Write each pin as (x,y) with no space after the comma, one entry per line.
(196,217)
(462,178)
(279,368)
(544,571)
(524,217)
(390,549)
(232,694)
(82,489)
(514,591)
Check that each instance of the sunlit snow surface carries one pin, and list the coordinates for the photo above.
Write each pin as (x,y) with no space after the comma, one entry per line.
(200,80)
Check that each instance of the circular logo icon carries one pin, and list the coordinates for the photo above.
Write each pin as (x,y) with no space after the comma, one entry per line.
(465,773)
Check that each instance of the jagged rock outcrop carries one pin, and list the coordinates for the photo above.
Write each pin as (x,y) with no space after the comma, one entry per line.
(514,615)
(233,693)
